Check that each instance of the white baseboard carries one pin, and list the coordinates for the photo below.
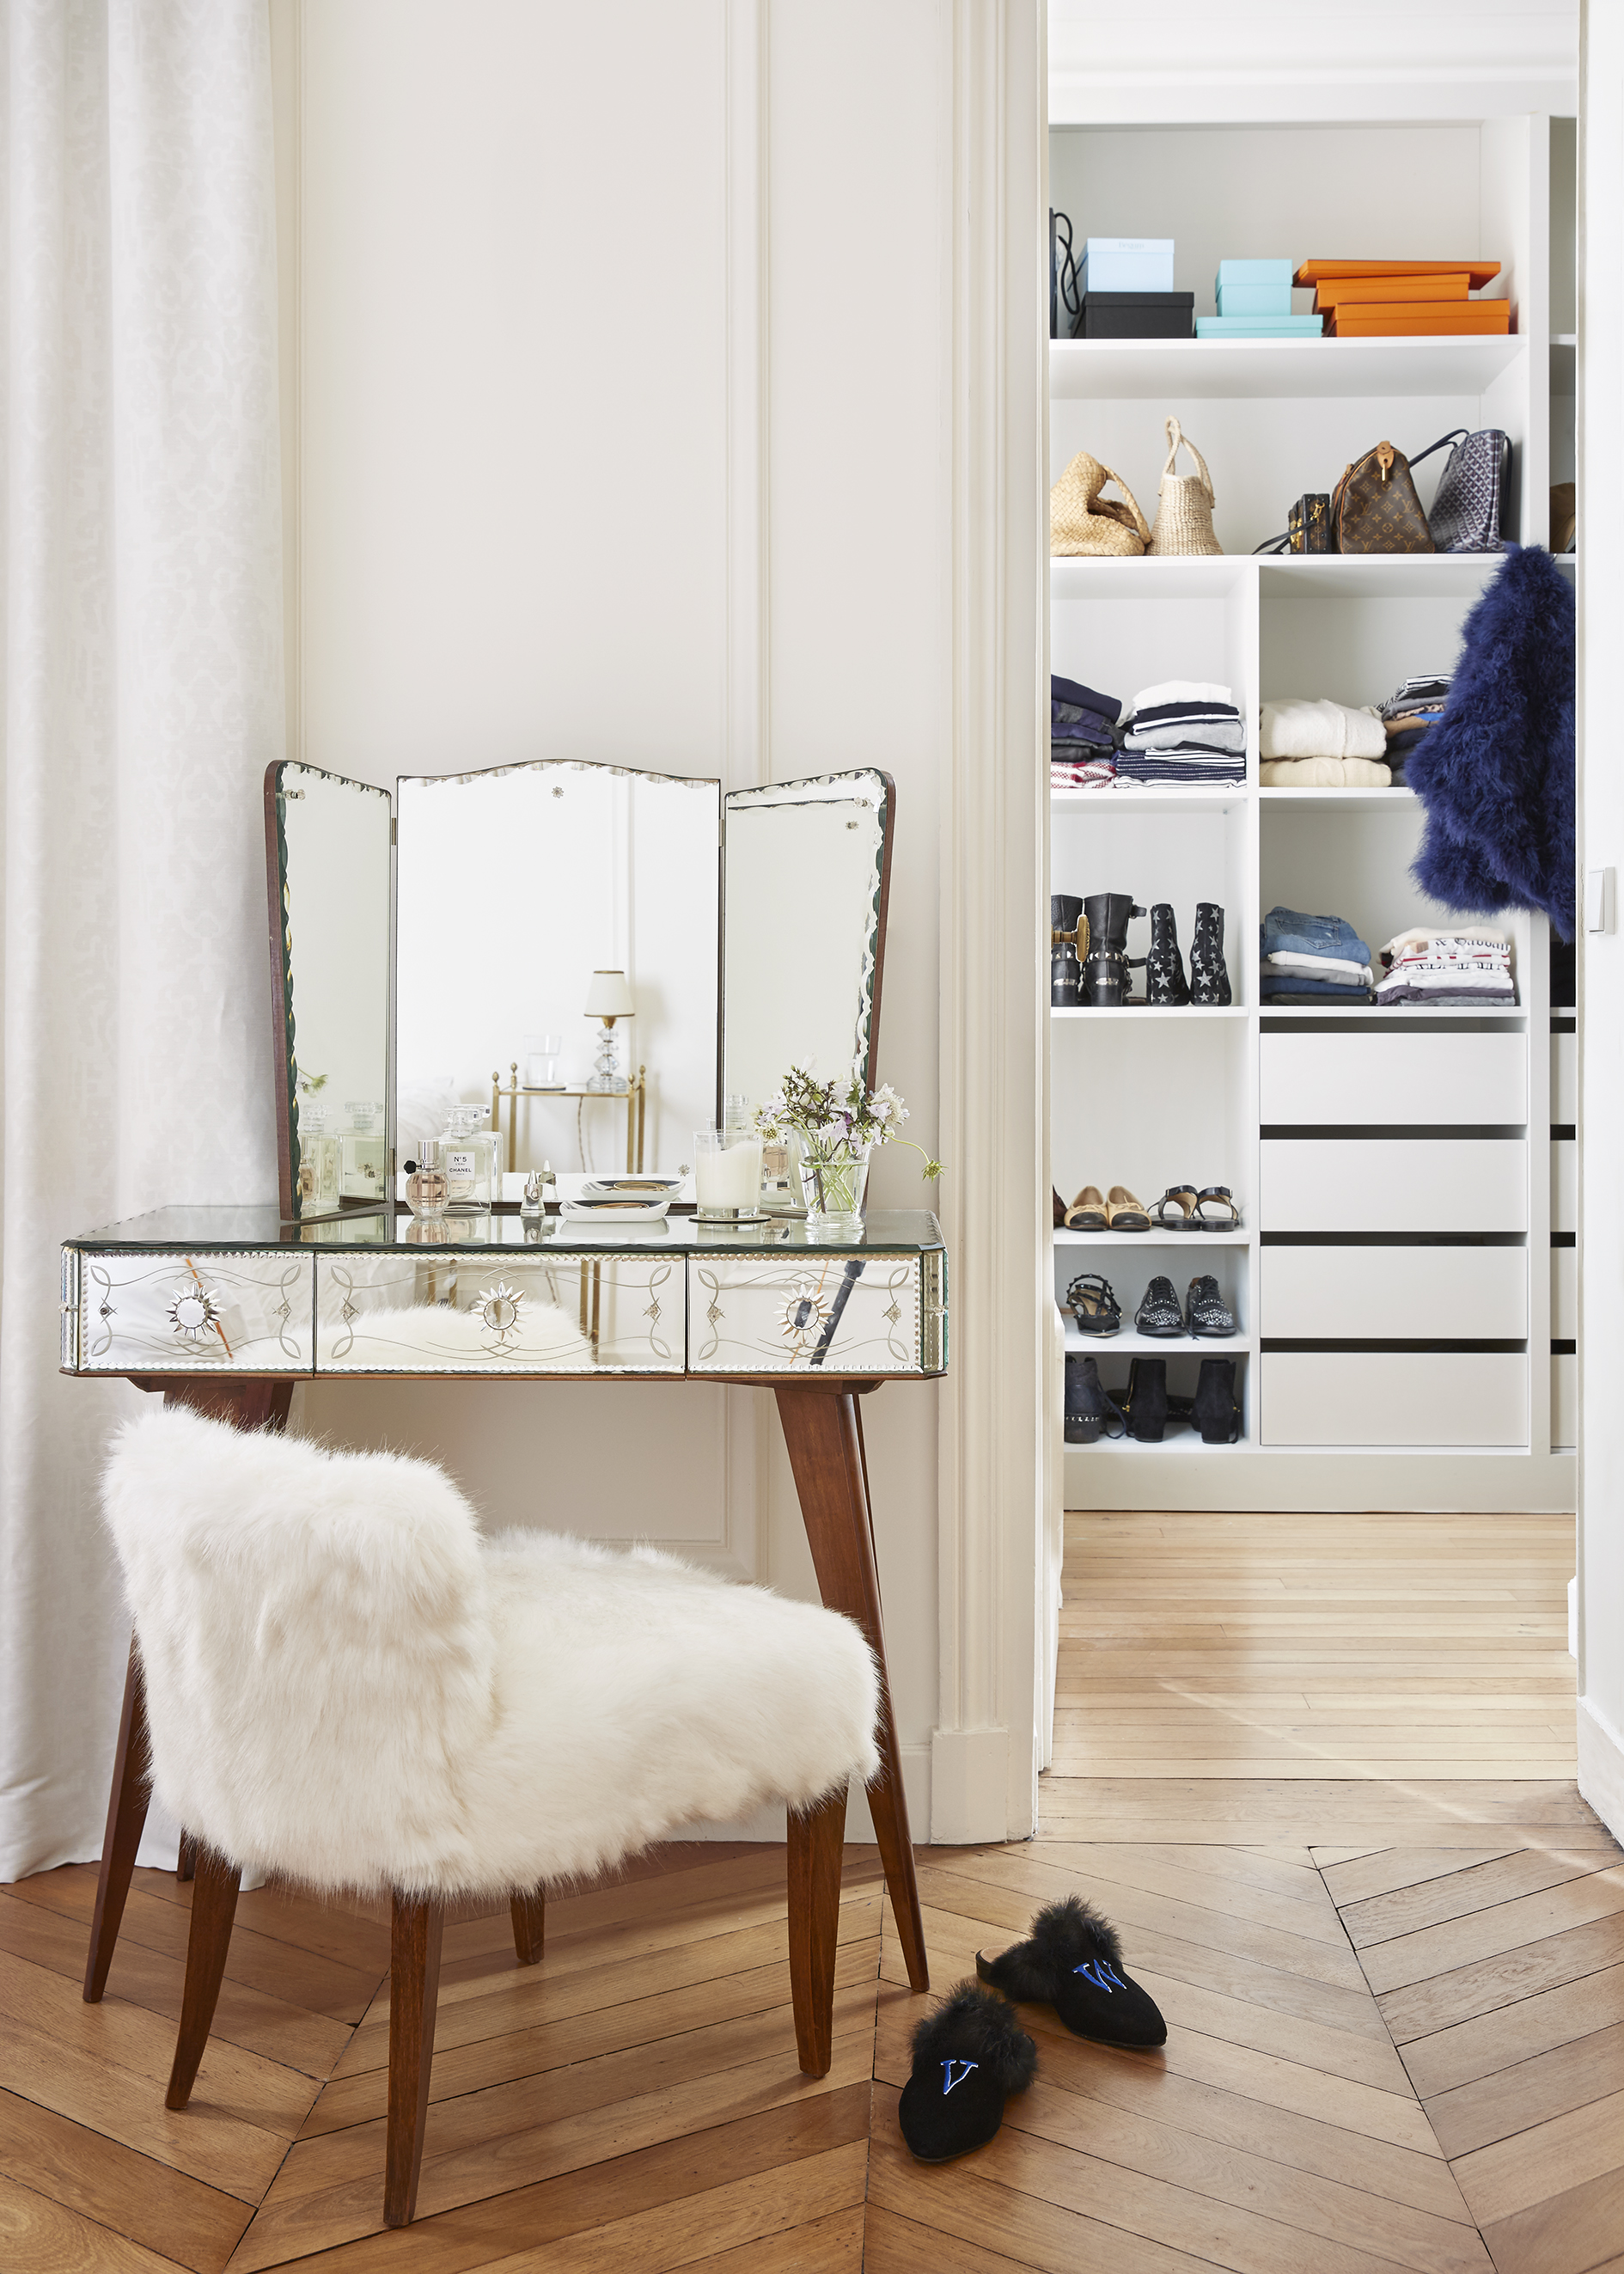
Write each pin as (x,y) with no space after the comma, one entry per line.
(1601,1767)
(969,1786)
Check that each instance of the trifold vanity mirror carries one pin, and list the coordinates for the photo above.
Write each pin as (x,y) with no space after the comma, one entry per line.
(489,942)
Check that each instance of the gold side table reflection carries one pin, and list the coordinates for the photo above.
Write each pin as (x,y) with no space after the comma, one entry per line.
(636,1093)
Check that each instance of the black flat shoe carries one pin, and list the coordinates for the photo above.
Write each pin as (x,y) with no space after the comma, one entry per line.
(1093,1304)
(1209,1313)
(969,2056)
(1175,1211)
(1159,1313)
(1073,1962)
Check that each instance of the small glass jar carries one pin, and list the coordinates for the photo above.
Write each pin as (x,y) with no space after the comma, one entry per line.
(427,1186)
(727,1170)
(541,1060)
(468,1156)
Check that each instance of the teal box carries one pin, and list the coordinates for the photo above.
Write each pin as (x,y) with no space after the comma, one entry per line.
(1252,272)
(1254,299)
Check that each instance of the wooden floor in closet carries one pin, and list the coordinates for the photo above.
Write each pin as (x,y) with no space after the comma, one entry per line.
(1318,1770)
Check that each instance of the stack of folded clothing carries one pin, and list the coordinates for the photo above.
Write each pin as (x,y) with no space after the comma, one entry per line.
(1082,736)
(1409,712)
(1468,970)
(1322,745)
(1312,960)
(1184,732)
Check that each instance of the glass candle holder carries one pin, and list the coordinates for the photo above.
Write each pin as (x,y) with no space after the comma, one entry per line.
(541,1060)
(428,1186)
(727,1166)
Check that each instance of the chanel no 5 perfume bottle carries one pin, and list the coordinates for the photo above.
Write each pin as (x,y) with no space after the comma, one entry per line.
(469,1154)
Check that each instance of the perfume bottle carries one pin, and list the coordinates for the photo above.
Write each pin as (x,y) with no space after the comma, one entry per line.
(361,1170)
(319,1158)
(533,1207)
(469,1155)
(427,1186)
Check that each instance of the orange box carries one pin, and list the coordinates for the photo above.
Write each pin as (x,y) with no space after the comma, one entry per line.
(1398,318)
(1316,272)
(1344,291)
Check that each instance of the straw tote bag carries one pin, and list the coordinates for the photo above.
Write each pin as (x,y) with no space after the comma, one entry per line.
(1184,502)
(1081,521)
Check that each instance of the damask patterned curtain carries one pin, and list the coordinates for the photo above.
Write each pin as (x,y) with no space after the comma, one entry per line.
(141,570)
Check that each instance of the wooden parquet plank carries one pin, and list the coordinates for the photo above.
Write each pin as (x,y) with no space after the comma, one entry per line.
(38,2236)
(1530,2092)
(1118,1875)
(1384,1871)
(1423,2008)
(1565,2152)
(1478,1934)
(827,2246)
(901,2246)
(136,2195)
(1570,2233)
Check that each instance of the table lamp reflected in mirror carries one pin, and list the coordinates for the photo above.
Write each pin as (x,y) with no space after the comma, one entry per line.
(609,998)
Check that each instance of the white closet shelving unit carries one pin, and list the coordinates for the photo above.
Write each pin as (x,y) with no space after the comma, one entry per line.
(1403,1279)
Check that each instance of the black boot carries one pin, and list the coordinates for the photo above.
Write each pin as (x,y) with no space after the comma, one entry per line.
(1209,982)
(1089,1407)
(1164,969)
(1106,965)
(1216,1415)
(1145,1404)
(1063,912)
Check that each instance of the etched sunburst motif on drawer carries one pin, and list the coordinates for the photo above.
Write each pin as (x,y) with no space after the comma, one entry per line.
(146,1314)
(834,1314)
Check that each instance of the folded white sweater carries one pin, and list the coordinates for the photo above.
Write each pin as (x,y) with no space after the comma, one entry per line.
(1323,774)
(1297,728)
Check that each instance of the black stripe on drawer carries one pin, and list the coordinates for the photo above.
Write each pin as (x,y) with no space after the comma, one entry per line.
(1563,1349)
(1404,1238)
(1567,1026)
(1558,1238)
(1414,1348)
(1366,1131)
(1560,1130)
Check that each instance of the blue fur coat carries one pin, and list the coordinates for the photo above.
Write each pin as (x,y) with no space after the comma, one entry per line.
(1496,773)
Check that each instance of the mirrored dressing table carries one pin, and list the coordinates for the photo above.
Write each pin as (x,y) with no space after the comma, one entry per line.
(225,1310)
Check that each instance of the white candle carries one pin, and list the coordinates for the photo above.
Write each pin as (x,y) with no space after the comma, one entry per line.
(727,1174)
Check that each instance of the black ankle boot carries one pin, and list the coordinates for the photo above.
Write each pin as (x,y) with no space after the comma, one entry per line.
(1107,964)
(1063,912)
(1145,1404)
(1164,969)
(1209,982)
(1089,1407)
(1216,1415)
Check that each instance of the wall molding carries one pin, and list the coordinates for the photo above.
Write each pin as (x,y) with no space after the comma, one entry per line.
(1601,1766)
(994,1419)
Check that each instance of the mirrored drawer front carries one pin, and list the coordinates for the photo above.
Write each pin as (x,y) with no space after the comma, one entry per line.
(201,1314)
(1397,1183)
(1354,1077)
(1437,1398)
(1395,1294)
(802,1313)
(442,1311)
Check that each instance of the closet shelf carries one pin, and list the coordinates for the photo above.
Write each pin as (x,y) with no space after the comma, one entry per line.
(1128,1344)
(1156,1011)
(1396,1016)
(1147,800)
(1196,1242)
(1338,796)
(1180,370)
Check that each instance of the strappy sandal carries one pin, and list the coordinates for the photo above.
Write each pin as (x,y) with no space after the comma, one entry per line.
(1175,1211)
(1124,1213)
(1228,1220)
(1086,1212)
(1093,1304)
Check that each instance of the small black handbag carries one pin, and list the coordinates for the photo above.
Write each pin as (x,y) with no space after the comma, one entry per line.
(1465,513)
(1308,527)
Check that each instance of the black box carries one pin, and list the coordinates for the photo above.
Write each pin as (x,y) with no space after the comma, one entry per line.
(1137,316)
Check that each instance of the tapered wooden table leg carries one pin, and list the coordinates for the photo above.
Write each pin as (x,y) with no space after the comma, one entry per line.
(254,1403)
(825,1452)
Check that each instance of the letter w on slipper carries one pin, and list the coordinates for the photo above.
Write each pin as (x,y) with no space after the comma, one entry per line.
(1073,1962)
(969,2056)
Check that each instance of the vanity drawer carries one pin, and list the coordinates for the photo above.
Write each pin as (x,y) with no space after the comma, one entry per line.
(802,1311)
(1397,1184)
(1393,1294)
(459,1311)
(1354,1077)
(124,1312)
(1443,1398)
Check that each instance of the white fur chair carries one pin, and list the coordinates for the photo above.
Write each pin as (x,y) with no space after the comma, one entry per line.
(348,1687)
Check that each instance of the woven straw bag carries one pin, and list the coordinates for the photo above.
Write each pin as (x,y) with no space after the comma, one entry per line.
(1185,503)
(1081,521)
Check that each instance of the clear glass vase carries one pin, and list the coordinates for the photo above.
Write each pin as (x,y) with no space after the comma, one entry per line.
(833,1182)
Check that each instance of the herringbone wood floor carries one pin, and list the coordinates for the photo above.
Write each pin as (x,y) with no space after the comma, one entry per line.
(1318,1769)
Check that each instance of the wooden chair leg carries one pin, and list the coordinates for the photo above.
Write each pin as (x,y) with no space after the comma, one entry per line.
(414,1989)
(814,1844)
(213,1907)
(186,1858)
(530,1925)
(126,1819)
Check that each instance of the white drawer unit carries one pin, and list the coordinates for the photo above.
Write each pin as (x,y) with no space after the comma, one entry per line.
(1565,1294)
(1564,1403)
(1357,1078)
(1565,1077)
(1564,1184)
(203,1314)
(804,1312)
(1445,1400)
(1394,1184)
(452,1311)
(1395,1294)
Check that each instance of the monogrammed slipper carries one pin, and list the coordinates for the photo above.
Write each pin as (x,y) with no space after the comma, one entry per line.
(969,2056)
(1073,1962)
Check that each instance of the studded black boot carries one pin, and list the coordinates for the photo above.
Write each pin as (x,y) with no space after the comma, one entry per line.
(1209,982)
(1090,1408)
(1064,968)
(1107,964)
(1164,969)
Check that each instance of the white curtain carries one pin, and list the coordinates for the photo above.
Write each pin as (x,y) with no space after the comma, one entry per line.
(143,696)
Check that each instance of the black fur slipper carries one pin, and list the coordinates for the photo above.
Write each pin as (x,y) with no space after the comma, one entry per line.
(1073,1962)
(969,2056)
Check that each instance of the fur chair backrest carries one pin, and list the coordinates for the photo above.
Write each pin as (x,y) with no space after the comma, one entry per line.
(316,1639)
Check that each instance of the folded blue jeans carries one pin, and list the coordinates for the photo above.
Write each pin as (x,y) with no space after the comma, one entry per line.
(1287,931)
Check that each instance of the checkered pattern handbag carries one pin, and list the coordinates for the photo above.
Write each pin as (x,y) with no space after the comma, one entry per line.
(1466,511)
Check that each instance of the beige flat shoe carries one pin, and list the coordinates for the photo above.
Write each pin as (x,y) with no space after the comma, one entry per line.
(1088,1211)
(1124,1213)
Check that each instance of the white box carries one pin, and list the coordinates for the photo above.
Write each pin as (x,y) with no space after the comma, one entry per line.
(1417,1078)
(1128,263)
(1390,1184)
(1440,1399)
(1398,1294)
